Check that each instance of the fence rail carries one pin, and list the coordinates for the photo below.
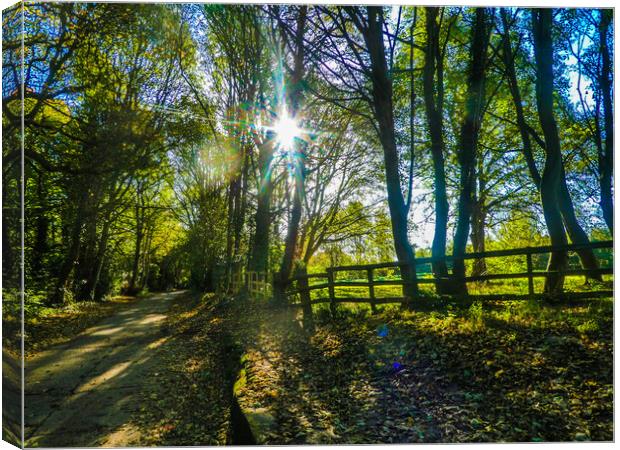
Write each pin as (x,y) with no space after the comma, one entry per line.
(256,284)
(299,285)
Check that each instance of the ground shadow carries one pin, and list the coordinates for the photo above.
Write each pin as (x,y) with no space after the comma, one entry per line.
(79,393)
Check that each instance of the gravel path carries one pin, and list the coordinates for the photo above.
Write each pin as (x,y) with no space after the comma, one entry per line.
(83,393)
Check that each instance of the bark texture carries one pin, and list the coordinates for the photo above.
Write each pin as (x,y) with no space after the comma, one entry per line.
(478,221)
(433,99)
(294,100)
(468,142)
(606,160)
(259,259)
(552,172)
(62,282)
(384,113)
(575,231)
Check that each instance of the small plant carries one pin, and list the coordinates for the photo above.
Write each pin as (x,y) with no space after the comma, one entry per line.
(588,327)
(475,314)
(531,307)
(322,314)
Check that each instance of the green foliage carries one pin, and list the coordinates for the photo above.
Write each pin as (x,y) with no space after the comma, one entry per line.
(475,314)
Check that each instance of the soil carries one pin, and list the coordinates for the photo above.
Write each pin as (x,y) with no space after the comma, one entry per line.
(83,393)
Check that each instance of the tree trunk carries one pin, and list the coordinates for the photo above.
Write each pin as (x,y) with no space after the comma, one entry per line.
(101,250)
(286,266)
(294,100)
(384,113)
(84,270)
(515,92)
(478,222)
(470,130)
(58,295)
(259,260)
(552,172)
(242,201)
(233,189)
(434,118)
(576,233)
(606,160)
(146,261)
(237,206)
(135,267)
(42,224)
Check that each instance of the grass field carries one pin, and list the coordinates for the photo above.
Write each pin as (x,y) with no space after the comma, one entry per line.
(513,286)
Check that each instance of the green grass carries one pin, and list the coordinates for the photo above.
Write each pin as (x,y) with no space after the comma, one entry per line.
(514,286)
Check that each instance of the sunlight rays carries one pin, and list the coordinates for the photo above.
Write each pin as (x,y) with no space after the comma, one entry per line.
(288,140)
(286,131)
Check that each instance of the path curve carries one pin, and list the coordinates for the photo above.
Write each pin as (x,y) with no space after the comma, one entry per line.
(84,392)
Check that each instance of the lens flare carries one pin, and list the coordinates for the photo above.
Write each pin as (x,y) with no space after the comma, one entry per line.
(286,131)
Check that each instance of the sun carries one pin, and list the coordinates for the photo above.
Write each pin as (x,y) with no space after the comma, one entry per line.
(286,130)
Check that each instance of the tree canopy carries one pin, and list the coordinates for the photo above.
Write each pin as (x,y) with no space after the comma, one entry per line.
(166,145)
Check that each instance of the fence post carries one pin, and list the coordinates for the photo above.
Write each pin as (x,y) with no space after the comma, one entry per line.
(279,289)
(530,277)
(263,284)
(332,293)
(409,288)
(414,275)
(275,290)
(371,289)
(304,295)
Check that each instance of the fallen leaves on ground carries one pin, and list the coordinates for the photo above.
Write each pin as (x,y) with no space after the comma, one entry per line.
(502,373)
(186,401)
(457,375)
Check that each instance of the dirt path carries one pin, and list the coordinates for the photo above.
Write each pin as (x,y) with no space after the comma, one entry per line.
(83,393)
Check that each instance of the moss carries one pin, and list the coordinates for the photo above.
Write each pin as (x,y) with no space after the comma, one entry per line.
(240,383)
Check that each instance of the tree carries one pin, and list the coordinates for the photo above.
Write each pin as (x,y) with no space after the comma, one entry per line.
(468,140)
(606,156)
(567,211)
(293,105)
(553,171)
(368,63)
(434,98)
(337,173)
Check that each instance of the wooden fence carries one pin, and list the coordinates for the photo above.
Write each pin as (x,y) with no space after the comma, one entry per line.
(255,284)
(258,284)
(300,284)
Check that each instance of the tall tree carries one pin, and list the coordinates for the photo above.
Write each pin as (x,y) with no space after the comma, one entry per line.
(294,98)
(468,139)
(553,171)
(567,210)
(606,158)
(371,29)
(433,75)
